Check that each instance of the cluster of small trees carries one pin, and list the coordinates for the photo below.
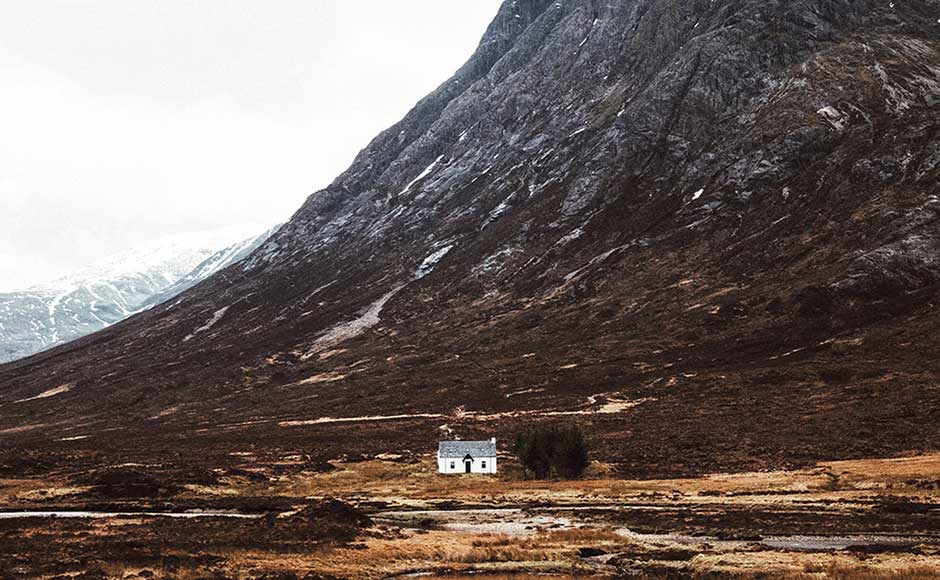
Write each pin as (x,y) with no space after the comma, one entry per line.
(552,452)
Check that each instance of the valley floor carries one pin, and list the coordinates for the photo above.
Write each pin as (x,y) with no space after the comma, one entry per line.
(391,516)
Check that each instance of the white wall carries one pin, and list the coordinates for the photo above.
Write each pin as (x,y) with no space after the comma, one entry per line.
(444,465)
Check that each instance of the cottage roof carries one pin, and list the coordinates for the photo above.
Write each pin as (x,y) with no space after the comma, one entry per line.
(460,449)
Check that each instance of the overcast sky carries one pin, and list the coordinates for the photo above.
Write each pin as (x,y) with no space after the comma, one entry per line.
(122,121)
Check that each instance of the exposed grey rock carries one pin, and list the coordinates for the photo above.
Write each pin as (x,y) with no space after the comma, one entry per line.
(687,203)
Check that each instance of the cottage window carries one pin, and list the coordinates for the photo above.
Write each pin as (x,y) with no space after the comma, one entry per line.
(483,465)
(452,465)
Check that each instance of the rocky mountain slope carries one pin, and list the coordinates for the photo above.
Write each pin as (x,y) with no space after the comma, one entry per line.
(707,230)
(47,315)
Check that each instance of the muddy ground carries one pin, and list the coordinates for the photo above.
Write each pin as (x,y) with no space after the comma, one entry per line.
(287,517)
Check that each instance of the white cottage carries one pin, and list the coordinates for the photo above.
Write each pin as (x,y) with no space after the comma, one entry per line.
(466,456)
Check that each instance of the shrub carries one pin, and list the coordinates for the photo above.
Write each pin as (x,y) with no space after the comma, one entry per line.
(552,451)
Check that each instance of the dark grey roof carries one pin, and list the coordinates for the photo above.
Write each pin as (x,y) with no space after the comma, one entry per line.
(460,449)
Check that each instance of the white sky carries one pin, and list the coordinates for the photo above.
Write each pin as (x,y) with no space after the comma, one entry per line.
(122,121)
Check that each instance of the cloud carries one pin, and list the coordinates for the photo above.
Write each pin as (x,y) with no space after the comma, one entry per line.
(126,121)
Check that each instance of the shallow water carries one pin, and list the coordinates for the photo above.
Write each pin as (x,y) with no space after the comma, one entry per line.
(822,543)
(519,522)
(116,515)
(504,521)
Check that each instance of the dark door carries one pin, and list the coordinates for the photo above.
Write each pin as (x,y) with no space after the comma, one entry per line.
(467,463)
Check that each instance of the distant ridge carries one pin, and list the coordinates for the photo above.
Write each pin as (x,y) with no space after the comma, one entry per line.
(55,313)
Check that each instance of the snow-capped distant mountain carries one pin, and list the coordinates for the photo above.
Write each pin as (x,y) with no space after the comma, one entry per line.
(109,291)
(215,263)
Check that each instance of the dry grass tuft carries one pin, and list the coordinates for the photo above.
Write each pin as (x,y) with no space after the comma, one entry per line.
(490,541)
(584,535)
(516,554)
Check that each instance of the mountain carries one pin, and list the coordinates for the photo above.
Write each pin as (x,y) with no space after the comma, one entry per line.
(215,263)
(50,314)
(706,230)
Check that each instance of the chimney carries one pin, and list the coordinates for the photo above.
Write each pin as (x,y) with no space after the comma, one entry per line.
(493,440)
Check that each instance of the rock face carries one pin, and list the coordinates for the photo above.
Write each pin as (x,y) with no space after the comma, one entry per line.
(48,315)
(705,229)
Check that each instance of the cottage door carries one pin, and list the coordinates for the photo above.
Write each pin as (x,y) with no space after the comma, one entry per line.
(467,463)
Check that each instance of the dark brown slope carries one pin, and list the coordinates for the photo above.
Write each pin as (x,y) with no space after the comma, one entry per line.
(722,214)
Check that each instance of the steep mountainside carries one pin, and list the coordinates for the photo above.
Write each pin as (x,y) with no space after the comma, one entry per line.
(705,229)
(51,314)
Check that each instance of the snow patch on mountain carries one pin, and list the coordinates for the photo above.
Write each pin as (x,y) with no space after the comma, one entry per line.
(370,317)
(422,175)
(216,317)
(429,263)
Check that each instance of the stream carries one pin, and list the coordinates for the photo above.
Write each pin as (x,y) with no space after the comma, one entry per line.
(117,515)
(521,523)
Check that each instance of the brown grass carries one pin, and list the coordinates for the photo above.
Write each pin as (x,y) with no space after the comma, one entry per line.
(915,572)
(420,483)
(584,535)
(842,572)
(555,553)
(450,552)
(517,554)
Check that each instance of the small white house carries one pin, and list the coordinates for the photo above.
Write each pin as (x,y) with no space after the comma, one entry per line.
(466,456)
